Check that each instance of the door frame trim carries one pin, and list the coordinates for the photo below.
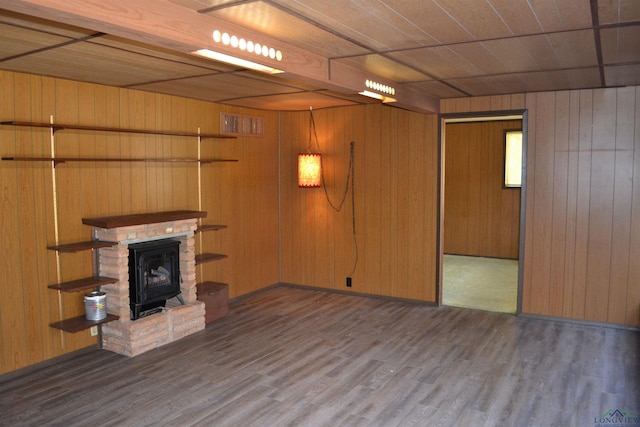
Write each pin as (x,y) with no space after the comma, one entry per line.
(478,116)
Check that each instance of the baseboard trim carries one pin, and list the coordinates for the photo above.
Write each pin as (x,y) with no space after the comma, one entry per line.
(46,363)
(579,321)
(433,304)
(357,294)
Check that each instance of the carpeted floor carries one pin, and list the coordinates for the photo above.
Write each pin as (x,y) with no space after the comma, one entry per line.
(483,283)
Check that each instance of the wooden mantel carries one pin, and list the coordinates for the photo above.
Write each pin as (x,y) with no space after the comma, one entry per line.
(142,218)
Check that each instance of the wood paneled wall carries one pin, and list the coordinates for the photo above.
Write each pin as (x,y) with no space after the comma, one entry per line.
(582,220)
(481,216)
(396,182)
(243,195)
(582,228)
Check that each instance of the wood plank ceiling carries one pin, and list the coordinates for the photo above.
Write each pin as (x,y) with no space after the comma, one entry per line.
(427,49)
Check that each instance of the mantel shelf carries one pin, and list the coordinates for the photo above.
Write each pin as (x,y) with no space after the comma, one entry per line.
(58,160)
(80,323)
(58,126)
(142,218)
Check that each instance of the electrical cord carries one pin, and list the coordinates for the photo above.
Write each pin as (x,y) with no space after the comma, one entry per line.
(350,181)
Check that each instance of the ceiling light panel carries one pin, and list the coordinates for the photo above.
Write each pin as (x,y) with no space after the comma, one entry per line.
(246,45)
(290,29)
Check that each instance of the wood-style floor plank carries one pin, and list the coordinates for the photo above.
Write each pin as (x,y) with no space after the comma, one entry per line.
(300,357)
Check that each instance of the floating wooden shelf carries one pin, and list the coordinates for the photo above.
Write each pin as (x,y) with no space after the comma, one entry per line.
(58,160)
(80,323)
(58,126)
(208,257)
(82,284)
(82,246)
(209,227)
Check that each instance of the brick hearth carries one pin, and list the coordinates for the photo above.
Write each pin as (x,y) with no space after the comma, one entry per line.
(176,321)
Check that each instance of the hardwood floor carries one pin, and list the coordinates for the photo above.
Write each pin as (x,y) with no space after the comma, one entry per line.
(299,357)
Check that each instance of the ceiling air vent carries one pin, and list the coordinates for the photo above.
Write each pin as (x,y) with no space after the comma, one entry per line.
(234,124)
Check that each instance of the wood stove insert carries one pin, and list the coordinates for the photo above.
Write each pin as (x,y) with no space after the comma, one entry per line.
(154,276)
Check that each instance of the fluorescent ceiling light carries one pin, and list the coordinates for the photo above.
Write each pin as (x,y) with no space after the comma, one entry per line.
(237,61)
(374,95)
(380,87)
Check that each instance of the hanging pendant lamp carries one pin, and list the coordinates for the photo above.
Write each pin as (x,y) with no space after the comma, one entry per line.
(309,168)
(310,164)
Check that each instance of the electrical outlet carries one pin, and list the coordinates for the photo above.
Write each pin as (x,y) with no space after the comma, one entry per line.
(348,282)
(94,331)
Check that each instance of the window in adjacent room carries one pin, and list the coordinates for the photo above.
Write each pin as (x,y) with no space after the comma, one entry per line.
(513,159)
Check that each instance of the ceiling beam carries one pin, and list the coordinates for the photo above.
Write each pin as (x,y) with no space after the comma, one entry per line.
(171,26)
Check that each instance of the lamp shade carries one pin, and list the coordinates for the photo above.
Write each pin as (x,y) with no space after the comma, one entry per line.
(309,166)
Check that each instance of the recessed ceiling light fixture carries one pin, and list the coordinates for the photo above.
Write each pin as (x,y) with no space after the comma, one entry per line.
(243,45)
(383,92)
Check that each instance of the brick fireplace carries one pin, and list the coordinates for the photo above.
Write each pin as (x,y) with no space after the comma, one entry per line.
(175,321)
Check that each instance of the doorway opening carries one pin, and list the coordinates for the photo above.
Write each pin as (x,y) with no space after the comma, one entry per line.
(481,214)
